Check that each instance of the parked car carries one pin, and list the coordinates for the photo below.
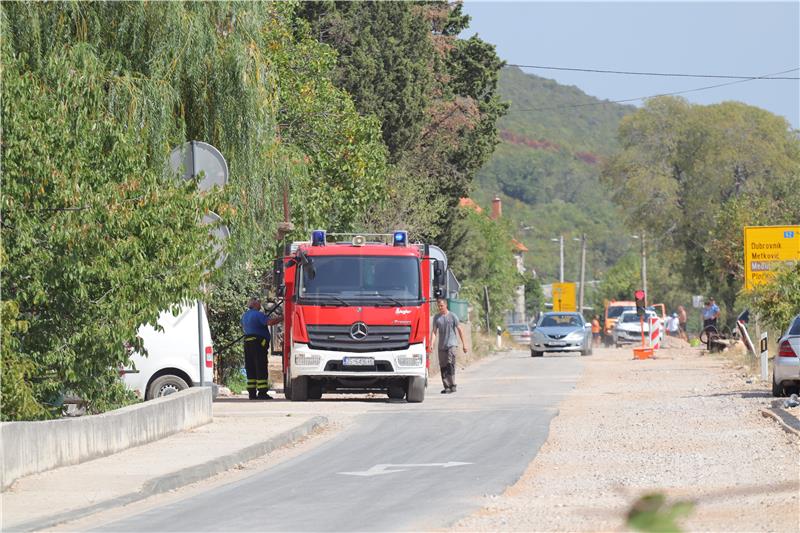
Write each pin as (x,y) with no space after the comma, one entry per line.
(520,333)
(628,329)
(172,362)
(786,364)
(561,332)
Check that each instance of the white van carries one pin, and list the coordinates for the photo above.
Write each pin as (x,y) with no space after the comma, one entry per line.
(172,363)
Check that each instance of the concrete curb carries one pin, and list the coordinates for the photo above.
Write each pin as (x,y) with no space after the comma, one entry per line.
(38,446)
(181,478)
(778,416)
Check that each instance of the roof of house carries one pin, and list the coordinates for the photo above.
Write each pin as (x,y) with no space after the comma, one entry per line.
(518,246)
(469,202)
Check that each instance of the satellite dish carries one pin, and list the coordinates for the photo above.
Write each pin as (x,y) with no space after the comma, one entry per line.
(194,157)
(220,233)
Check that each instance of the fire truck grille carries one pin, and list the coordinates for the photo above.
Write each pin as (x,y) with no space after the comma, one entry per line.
(378,338)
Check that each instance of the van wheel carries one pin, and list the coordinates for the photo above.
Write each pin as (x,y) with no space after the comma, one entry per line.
(314,390)
(165,385)
(416,390)
(396,392)
(300,389)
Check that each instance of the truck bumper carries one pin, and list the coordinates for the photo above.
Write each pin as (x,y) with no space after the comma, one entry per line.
(306,361)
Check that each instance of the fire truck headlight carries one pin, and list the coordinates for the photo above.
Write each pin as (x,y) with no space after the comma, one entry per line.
(414,360)
(306,360)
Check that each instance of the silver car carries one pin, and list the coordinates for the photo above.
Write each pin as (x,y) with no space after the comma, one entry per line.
(561,332)
(520,333)
(786,364)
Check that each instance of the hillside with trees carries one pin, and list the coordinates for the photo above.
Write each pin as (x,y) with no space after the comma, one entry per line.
(554,139)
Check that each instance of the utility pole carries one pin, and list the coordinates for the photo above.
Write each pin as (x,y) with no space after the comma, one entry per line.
(644,268)
(583,272)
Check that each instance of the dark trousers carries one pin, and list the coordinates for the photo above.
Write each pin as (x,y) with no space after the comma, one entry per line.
(447,366)
(255,363)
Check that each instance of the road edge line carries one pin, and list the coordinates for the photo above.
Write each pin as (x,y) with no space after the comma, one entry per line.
(179,478)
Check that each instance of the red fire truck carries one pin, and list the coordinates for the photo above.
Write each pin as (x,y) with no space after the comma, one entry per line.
(357,314)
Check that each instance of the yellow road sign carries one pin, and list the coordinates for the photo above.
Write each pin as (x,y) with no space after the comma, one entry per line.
(765,247)
(564,297)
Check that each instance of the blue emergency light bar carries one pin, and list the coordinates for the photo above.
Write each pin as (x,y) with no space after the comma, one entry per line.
(400,238)
(318,237)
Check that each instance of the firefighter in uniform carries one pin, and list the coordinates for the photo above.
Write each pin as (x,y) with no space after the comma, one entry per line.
(256,347)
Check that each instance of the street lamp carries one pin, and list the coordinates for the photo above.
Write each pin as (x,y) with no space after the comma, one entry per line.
(560,242)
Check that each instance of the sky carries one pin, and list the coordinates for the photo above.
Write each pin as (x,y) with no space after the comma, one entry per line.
(720,38)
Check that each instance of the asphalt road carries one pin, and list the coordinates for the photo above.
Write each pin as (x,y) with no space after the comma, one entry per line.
(416,466)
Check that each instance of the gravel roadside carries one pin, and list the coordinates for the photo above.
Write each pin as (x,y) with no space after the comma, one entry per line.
(685,424)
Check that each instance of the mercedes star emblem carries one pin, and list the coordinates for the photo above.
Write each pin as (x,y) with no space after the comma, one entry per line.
(358,331)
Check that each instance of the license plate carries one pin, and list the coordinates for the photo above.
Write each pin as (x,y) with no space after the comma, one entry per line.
(558,344)
(358,361)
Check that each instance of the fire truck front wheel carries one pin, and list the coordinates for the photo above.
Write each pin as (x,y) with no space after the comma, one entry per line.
(300,389)
(314,389)
(416,389)
(287,386)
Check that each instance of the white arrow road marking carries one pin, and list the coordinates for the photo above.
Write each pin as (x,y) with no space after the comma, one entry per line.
(378,470)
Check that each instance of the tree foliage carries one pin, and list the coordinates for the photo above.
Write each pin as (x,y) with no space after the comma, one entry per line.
(777,301)
(433,93)
(97,241)
(94,241)
(694,175)
(482,257)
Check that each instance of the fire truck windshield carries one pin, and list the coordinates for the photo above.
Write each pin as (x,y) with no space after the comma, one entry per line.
(350,279)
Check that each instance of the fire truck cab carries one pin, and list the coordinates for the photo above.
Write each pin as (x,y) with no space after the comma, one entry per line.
(357,314)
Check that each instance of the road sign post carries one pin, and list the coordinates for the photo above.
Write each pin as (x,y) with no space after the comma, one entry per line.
(762,346)
(190,160)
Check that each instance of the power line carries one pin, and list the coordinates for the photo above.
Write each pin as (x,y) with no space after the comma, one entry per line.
(765,76)
(666,74)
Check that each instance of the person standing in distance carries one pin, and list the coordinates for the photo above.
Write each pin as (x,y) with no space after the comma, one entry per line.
(596,330)
(682,318)
(445,326)
(256,347)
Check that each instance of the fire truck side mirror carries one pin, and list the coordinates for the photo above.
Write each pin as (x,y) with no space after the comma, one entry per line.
(438,272)
(438,279)
(307,263)
(277,277)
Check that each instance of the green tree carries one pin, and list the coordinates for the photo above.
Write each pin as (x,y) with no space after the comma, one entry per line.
(777,301)
(244,76)
(534,297)
(94,242)
(433,94)
(384,53)
(483,257)
(697,174)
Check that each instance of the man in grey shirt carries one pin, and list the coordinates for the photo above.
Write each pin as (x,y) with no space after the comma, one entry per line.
(445,326)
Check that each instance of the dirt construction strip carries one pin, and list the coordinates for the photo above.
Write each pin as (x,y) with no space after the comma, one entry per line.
(685,424)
